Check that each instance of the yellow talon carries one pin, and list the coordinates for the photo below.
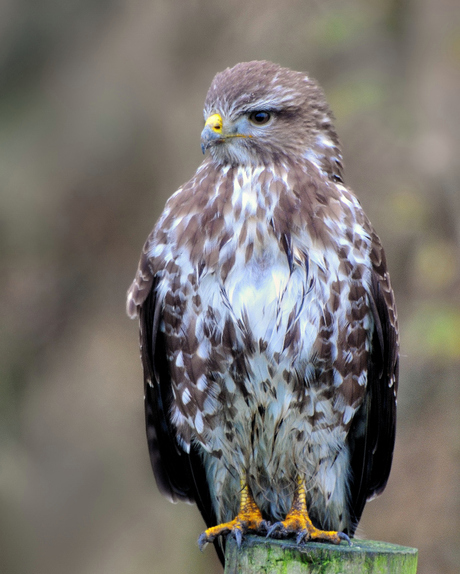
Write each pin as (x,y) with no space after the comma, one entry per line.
(249,518)
(298,522)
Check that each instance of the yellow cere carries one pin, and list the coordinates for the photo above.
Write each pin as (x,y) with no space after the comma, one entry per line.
(215,123)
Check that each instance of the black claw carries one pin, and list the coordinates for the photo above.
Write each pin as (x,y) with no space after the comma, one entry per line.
(274,528)
(343,536)
(301,536)
(238,534)
(263,526)
(203,541)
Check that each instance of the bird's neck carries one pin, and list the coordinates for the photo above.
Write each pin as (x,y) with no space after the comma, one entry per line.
(325,154)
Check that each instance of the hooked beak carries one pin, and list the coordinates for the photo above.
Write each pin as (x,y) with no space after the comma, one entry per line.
(212,132)
(216,132)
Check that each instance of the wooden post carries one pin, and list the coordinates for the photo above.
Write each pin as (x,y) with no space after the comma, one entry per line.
(268,556)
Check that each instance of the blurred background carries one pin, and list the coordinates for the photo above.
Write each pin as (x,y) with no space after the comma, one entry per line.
(100,121)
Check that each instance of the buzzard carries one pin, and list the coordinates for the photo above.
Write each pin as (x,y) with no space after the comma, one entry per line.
(268,327)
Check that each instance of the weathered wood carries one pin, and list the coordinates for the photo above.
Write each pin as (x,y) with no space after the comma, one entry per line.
(267,556)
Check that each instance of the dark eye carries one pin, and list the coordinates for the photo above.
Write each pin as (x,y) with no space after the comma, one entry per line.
(259,118)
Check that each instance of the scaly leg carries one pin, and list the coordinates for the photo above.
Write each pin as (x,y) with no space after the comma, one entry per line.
(298,522)
(249,518)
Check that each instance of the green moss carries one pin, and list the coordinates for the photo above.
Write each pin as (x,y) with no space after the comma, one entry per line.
(258,555)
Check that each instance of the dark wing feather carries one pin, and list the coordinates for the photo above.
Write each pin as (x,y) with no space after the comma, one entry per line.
(372,434)
(179,475)
(169,461)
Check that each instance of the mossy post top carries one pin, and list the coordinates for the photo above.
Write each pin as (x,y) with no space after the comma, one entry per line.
(258,555)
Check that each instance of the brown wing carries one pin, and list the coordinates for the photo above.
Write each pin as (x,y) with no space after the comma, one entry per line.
(179,475)
(372,435)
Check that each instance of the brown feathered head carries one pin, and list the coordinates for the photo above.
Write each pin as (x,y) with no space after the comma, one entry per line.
(258,112)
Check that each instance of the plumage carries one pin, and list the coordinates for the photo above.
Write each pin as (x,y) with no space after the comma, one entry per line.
(268,325)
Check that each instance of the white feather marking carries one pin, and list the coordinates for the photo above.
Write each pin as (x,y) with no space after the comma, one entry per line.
(323,141)
(180,359)
(362,379)
(202,383)
(199,422)
(348,414)
(186,396)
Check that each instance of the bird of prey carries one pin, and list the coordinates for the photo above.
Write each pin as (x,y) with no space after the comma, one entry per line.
(268,327)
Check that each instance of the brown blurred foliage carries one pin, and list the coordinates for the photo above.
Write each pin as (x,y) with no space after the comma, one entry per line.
(100,117)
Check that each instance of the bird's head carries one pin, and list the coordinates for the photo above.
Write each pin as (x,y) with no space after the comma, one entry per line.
(258,112)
